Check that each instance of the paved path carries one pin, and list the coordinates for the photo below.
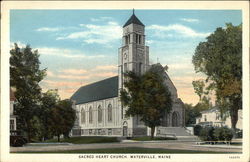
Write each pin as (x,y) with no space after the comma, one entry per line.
(164,145)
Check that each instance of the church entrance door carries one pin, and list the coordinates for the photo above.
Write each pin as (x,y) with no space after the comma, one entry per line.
(175,122)
(125,129)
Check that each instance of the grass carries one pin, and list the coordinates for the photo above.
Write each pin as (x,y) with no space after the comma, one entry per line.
(85,140)
(148,138)
(132,150)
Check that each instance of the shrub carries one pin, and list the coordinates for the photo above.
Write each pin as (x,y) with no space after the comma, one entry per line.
(197,130)
(223,134)
(207,134)
(239,133)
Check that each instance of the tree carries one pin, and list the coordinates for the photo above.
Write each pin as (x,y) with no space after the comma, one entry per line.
(48,101)
(25,75)
(147,96)
(199,87)
(220,59)
(191,112)
(203,92)
(62,118)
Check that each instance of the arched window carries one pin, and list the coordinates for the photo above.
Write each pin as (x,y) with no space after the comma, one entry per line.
(125,67)
(109,112)
(99,114)
(140,68)
(83,116)
(90,115)
(175,119)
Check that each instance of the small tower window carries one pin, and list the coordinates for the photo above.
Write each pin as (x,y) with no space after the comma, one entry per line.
(125,67)
(140,68)
(126,40)
(139,39)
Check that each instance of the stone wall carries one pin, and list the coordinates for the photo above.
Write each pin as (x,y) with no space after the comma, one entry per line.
(97,132)
(139,131)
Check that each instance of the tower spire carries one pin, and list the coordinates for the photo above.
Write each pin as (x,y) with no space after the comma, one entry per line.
(133,11)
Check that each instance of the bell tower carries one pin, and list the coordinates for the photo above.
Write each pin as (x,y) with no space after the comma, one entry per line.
(133,55)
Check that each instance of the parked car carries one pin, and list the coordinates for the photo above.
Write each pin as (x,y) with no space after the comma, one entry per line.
(16,139)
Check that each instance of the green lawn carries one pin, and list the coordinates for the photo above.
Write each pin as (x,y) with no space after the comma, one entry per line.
(132,150)
(148,138)
(85,139)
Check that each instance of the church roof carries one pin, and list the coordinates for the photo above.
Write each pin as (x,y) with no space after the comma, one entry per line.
(133,20)
(100,90)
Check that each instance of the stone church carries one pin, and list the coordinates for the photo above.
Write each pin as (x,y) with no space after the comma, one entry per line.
(99,110)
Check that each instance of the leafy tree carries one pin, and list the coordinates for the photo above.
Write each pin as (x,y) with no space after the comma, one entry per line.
(203,92)
(147,96)
(199,87)
(220,59)
(25,75)
(62,118)
(48,101)
(191,113)
(37,128)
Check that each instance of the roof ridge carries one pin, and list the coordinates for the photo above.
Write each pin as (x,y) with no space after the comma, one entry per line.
(99,81)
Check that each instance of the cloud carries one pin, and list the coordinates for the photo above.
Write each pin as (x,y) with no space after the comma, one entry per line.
(50,73)
(100,34)
(101,19)
(186,79)
(74,71)
(47,29)
(181,30)
(78,77)
(150,41)
(65,53)
(189,20)
(106,67)
(19,44)
(180,66)
(104,75)
(58,84)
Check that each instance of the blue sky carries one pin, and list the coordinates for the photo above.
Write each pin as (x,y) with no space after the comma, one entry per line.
(79,47)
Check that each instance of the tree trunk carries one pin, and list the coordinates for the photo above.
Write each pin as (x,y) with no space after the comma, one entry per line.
(234,119)
(58,138)
(28,131)
(152,132)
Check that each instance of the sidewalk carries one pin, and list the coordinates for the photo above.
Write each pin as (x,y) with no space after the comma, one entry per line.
(220,146)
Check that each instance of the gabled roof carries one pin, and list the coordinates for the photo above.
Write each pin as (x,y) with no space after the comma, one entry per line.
(103,89)
(210,110)
(133,20)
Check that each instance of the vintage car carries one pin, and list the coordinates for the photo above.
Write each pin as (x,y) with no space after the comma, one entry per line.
(16,139)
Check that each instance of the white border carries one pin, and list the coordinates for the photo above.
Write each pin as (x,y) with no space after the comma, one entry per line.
(213,5)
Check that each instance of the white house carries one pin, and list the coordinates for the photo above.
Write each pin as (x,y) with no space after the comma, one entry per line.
(98,107)
(212,117)
(12,116)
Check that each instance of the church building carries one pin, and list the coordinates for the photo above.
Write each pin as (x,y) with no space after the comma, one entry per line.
(98,107)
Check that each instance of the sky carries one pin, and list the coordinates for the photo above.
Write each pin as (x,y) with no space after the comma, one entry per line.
(79,47)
